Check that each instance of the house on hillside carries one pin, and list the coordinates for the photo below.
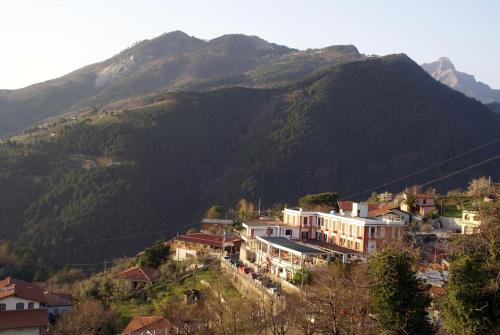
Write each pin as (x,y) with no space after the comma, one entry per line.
(470,223)
(137,275)
(425,203)
(22,308)
(57,304)
(192,246)
(148,325)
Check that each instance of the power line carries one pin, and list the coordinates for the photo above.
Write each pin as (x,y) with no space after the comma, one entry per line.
(461,170)
(425,169)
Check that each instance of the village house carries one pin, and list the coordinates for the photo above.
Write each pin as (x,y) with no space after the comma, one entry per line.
(22,308)
(193,246)
(137,275)
(148,325)
(425,203)
(57,304)
(470,223)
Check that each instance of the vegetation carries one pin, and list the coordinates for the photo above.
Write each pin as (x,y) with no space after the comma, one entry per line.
(107,187)
(155,255)
(320,201)
(399,299)
(472,305)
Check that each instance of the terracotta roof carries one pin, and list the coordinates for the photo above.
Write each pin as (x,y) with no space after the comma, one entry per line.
(380,211)
(144,323)
(437,291)
(347,205)
(140,274)
(212,240)
(58,299)
(26,318)
(22,289)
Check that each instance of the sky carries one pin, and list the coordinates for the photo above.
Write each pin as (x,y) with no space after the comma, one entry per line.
(41,40)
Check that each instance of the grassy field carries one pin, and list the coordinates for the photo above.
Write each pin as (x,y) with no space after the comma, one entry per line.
(159,295)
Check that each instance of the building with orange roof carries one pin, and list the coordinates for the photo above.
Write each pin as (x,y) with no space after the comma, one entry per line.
(139,274)
(148,325)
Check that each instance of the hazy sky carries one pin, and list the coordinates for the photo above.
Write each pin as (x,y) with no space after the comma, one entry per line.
(41,40)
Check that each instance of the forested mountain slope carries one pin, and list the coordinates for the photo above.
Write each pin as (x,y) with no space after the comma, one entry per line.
(102,187)
(173,61)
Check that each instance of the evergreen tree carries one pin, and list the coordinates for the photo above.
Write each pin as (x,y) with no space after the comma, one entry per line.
(399,299)
(472,303)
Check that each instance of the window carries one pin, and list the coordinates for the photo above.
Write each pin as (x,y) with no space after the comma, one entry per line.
(20,305)
(3,307)
(288,232)
(31,305)
(424,201)
(372,232)
(305,221)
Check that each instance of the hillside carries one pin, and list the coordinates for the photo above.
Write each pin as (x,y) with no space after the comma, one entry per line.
(444,71)
(111,183)
(173,61)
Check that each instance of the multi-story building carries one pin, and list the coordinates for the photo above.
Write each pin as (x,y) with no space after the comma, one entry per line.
(355,231)
(316,236)
(22,308)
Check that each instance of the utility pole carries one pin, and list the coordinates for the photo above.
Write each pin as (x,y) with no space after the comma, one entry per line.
(105,265)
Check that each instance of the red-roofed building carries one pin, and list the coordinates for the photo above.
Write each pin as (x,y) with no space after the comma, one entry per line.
(425,203)
(139,275)
(57,303)
(193,246)
(22,307)
(148,325)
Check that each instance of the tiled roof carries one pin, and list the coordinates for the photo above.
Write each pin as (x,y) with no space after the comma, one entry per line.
(212,240)
(437,291)
(380,211)
(140,274)
(58,299)
(144,323)
(345,205)
(26,318)
(22,289)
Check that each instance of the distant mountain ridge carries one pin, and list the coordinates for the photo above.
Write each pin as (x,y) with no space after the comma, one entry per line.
(172,61)
(444,71)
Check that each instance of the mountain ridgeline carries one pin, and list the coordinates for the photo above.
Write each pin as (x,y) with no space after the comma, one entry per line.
(444,71)
(173,61)
(111,183)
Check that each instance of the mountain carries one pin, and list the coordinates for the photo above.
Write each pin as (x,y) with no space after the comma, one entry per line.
(115,180)
(173,61)
(495,106)
(444,71)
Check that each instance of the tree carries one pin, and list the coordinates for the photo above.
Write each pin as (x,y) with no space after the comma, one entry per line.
(89,317)
(399,299)
(320,201)
(385,198)
(472,303)
(245,210)
(214,212)
(373,199)
(479,187)
(155,255)
(337,302)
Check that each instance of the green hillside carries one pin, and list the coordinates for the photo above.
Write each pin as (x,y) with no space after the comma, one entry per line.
(108,185)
